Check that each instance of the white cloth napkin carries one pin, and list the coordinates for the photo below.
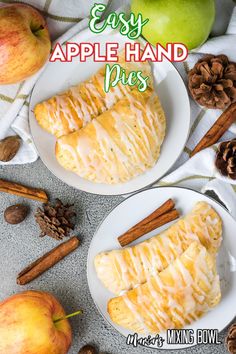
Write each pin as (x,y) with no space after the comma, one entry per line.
(199,172)
(66,20)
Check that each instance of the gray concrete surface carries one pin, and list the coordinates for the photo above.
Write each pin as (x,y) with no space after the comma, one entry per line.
(20,245)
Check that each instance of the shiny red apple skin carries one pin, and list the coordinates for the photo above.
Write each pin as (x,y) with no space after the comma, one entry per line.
(27,326)
(24,42)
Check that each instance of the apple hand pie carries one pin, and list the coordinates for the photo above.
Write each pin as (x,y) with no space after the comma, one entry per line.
(120,144)
(75,108)
(121,270)
(174,298)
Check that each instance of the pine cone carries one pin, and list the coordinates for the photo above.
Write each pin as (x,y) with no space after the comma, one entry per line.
(212,81)
(226,159)
(231,339)
(55,220)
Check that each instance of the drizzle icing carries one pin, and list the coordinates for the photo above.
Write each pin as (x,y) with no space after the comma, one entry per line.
(152,256)
(171,299)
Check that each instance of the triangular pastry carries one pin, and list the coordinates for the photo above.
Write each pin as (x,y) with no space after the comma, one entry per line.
(120,144)
(174,298)
(121,270)
(73,109)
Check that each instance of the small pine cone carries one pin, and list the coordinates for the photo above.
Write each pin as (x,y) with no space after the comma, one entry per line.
(55,220)
(226,159)
(231,339)
(212,81)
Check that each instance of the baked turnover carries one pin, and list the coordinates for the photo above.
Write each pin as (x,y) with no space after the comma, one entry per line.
(120,144)
(75,108)
(174,298)
(121,270)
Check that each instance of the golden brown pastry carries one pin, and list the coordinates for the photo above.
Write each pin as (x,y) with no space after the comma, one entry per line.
(123,269)
(174,298)
(120,144)
(75,108)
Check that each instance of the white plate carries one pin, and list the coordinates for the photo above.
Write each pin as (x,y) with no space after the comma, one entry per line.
(174,97)
(134,209)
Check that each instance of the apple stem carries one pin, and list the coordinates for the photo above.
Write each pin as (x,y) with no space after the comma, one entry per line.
(68,316)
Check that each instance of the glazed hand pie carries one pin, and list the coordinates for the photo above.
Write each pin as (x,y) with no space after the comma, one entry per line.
(174,298)
(106,137)
(120,144)
(121,270)
(75,108)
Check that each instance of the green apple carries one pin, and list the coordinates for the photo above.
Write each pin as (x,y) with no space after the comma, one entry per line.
(183,21)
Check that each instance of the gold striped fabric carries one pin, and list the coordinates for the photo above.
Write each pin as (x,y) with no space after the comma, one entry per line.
(61,16)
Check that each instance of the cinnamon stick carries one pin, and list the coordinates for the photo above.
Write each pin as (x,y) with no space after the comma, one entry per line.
(143,228)
(23,191)
(47,261)
(164,208)
(227,118)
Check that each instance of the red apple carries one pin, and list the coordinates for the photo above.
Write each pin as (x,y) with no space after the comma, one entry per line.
(24,42)
(27,325)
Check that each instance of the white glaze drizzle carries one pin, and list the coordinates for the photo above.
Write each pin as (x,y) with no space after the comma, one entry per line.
(154,298)
(152,256)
